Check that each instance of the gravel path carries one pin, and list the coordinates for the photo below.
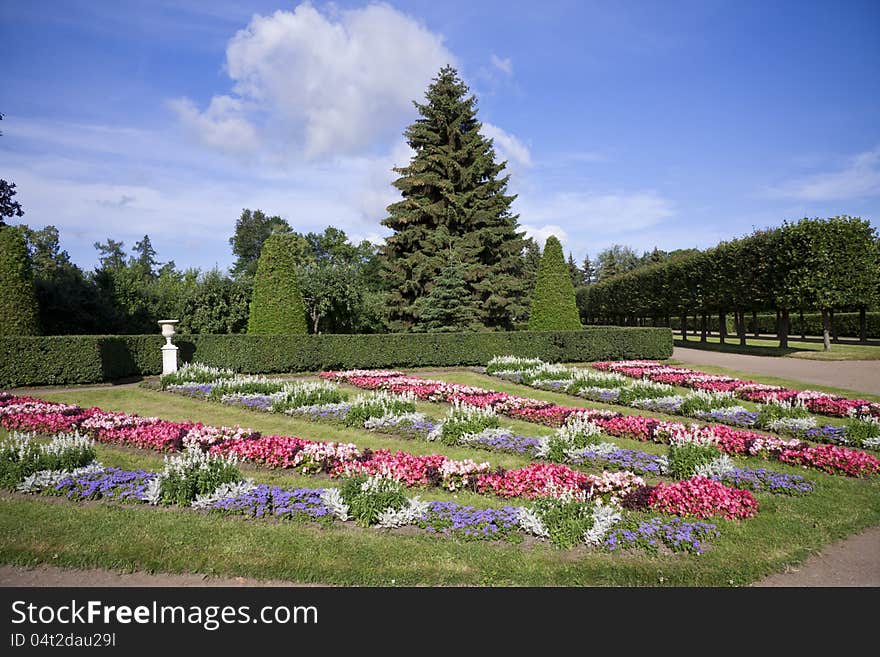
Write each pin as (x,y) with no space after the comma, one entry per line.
(854,561)
(857,375)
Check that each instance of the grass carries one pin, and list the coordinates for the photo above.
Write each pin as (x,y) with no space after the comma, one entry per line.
(51,530)
(809,350)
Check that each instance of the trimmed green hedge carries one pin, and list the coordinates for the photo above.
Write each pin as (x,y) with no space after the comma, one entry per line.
(30,360)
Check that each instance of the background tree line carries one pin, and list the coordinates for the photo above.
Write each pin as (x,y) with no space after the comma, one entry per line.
(823,265)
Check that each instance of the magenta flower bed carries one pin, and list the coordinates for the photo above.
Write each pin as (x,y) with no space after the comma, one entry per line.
(702,497)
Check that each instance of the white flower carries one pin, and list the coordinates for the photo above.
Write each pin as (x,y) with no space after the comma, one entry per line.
(414,510)
(224,491)
(605,516)
(332,499)
(531,522)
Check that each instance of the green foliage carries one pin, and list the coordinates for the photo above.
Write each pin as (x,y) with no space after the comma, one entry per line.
(376,404)
(685,458)
(251,231)
(194,473)
(21,456)
(367,497)
(448,307)
(277,304)
(244,386)
(813,264)
(19,313)
(215,304)
(307,393)
(462,420)
(566,520)
(454,198)
(859,431)
(769,412)
(553,302)
(56,360)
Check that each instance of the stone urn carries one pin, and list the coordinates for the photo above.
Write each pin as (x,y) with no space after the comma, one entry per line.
(169,351)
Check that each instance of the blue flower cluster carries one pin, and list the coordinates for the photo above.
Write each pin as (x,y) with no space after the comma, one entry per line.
(726,416)
(634,460)
(675,533)
(331,412)
(272,501)
(451,519)
(506,442)
(827,434)
(767,481)
(253,401)
(192,389)
(111,483)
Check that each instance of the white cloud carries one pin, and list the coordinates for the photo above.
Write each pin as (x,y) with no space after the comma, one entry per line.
(321,85)
(860,179)
(618,213)
(505,65)
(222,126)
(508,146)
(541,233)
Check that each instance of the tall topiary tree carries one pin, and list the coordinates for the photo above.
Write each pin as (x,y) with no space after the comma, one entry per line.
(19,313)
(454,197)
(553,303)
(277,304)
(448,307)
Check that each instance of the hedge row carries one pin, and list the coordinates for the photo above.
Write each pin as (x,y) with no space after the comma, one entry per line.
(59,360)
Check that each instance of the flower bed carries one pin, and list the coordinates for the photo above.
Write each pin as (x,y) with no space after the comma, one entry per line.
(817,402)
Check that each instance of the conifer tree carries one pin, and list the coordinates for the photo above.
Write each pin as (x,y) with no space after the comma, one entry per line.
(454,199)
(19,313)
(553,303)
(448,307)
(277,303)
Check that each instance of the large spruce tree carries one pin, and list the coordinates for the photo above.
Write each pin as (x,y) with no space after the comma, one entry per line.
(454,198)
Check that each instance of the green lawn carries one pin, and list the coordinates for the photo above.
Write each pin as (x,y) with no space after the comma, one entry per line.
(796,348)
(50,530)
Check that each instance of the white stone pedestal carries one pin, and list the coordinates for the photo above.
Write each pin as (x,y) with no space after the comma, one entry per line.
(169,358)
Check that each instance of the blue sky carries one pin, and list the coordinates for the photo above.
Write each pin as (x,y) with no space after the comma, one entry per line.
(675,124)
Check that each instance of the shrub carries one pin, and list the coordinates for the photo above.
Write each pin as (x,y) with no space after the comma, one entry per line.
(277,304)
(553,303)
(57,360)
(18,298)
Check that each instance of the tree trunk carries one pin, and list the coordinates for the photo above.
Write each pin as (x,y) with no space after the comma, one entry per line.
(315,320)
(704,326)
(833,326)
(863,326)
(684,327)
(722,326)
(826,330)
(755,323)
(741,327)
(778,325)
(783,329)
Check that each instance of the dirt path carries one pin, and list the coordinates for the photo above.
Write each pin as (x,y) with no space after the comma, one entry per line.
(857,375)
(43,575)
(854,561)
